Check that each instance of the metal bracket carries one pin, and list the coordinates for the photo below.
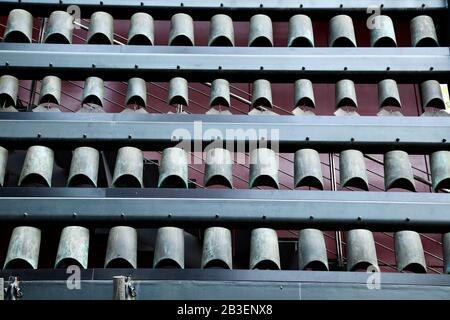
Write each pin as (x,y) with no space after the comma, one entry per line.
(123,288)
(13,291)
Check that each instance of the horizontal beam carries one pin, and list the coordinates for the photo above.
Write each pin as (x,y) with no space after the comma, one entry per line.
(152,132)
(327,210)
(161,63)
(239,10)
(232,284)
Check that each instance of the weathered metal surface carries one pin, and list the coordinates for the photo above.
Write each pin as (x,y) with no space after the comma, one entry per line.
(308,169)
(37,167)
(217,249)
(388,95)
(129,168)
(312,252)
(300,31)
(136,92)
(304,93)
(440,170)
(342,33)
(73,248)
(432,95)
(178,92)
(59,28)
(264,251)
(261,94)
(181,30)
(93,91)
(346,94)
(173,171)
(382,33)
(9,87)
(19,27)
(221,31)
(263,168)
(218,168)
(121,250)
(352,170)
(123,288)
(50,90)
(446,252)
(84,167)
(361,251)
(3,163)
(398,171)
(142,29)
(261,32)
(23,249)
(409,252)
(423,32)
(220,93)
(101,28)
(169,248)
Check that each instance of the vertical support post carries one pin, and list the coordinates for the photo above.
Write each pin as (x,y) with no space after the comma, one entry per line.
(338,234)
(123,288)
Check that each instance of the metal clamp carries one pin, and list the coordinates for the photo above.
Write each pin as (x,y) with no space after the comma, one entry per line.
(124,288)
(13,291)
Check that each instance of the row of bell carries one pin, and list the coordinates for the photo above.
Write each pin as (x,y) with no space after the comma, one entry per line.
(121,251)
(221,33)
(173,171)
(345,93)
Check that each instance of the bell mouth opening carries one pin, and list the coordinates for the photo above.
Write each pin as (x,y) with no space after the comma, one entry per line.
(6,100)
(34,180)
(343,42)
(216,264)
(221,41)
(140,40)
(167,264)
(362,266)
(427,42)
(414,268)
(81,180)
(67,262)
(316,265)
(127,181)
(261,42)
(218,180)
(181,40)
(306,102)
(266,265)
(402,183)
(18,263)
(310,181)
(391,103)
(264,181)
(136,101)
(219,101)
(178,100)
(443,184)
(356,182)
(56,38)
(119,263)
(99,38)
(301,42)
(92,99)
(347,102)
(16,37)
(385,42)
(436,103)
(48,99)
(173,181)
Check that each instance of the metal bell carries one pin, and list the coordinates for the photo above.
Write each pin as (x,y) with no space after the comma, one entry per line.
(312,252)
(346,94)
(304,93)
(9,87)
(218,168)
(261,94)
(169,248)
(221,31)
(173,171)
(59,28)
(178,92)
(342,33)
(423,32)
(181,30)
(136,92)
(101,28)
(388,95)
(93,91)
(432,95)
(440,170)
(84,167)
(121,250)
(308,169)
(398,171)
(3,163)
(264,251)
(217,251)
(300,31)
(409,252)
(50,90)
(383,34)
(73,247)
(220,93)
(19,27)
(263,168)
(352,170)
(361,251)
(142,29)
(37,167)
(261,33)
(129,168)
(23,249)
(446,249)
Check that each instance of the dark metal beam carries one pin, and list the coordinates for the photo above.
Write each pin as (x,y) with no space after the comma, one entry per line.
(327,210)
(233,284)
(151,132)
(161,63)
(239,10)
